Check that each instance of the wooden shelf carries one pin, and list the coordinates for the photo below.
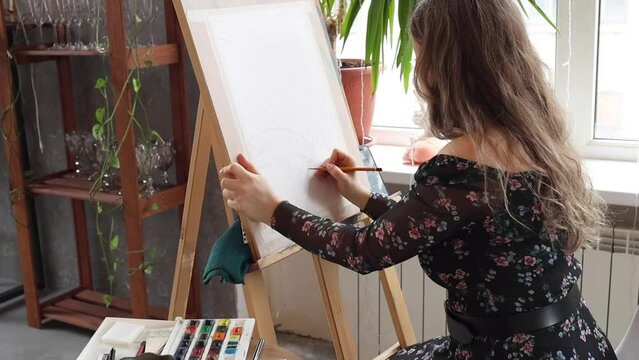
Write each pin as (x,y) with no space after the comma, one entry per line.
(86,309)
(64,184)
(142,57)
(82,307)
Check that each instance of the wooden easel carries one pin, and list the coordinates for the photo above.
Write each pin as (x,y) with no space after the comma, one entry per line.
(208,137)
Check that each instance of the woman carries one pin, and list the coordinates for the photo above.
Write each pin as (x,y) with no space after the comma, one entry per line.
(494,218)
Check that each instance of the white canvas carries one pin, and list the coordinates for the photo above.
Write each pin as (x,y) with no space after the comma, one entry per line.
(276,91)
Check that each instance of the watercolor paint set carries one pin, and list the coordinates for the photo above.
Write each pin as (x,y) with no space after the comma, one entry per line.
(210,339)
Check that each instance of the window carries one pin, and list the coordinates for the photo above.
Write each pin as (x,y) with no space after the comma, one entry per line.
(591,62)
(617,115)
(599,86)
(396,118)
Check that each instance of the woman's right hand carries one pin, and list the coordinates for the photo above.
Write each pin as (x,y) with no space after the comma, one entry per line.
(347,184)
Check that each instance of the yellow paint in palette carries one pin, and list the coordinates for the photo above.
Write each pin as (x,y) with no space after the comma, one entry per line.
(210,339)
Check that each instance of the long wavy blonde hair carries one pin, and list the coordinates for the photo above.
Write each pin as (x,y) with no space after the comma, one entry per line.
(480,75)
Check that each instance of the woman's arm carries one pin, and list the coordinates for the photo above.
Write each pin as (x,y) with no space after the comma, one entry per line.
(427,215)
(378,205)
(421,219)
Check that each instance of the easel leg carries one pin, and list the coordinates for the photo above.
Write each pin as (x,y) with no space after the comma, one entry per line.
(397,307)
(191,218)
(255,292)
(328,278)
(258,305)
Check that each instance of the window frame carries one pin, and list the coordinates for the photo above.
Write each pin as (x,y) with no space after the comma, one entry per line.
(576,84)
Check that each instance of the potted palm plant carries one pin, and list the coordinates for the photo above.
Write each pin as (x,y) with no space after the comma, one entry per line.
(360,76)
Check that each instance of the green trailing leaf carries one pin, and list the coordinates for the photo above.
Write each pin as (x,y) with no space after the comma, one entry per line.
(543,14)
(138,19)
(148,269)
(374,38)
(523,8)
(115,266)
(114,161)
(148,63)
(106,298)
(155,207)
(327,7)
(391,20)
(111,279)
(100,114)
(349,18)
(101,83)
(28,173)
(153,253)
(114,243)
(98,132)
(137,84)
(157,135)
(404,59)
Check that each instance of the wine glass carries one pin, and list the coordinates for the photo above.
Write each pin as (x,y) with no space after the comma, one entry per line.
(25,15)
(36,7)
(111,176)
(99,39)
(87,19)
(66,16)
(92,169)
(55,16)
(133,23)
(150,10)
(166,157)
(74,144)
(77,18)
(147,161)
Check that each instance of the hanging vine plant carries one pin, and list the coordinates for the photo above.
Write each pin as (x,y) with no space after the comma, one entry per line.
(105,136)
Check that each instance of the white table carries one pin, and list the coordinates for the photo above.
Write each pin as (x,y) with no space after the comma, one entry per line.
(95,348)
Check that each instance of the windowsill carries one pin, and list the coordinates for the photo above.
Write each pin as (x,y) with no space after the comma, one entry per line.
(617,182)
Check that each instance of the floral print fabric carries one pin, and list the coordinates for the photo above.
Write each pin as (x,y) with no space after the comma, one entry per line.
(492,254)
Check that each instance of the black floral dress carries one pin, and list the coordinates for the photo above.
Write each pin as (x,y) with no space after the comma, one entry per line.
(492,259)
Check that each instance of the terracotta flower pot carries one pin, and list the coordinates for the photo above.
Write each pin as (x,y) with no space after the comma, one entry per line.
(356,80)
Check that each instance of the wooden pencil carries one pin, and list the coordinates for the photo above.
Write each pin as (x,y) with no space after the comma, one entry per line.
(353,169)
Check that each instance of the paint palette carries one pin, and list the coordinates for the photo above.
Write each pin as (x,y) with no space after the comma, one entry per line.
(210,339)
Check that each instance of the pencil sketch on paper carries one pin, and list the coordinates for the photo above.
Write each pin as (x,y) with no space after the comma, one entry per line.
(272,78)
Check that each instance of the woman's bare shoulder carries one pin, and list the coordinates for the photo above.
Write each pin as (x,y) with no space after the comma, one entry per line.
(492,156)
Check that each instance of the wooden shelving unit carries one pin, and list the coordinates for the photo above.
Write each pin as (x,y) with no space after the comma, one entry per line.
(83,306)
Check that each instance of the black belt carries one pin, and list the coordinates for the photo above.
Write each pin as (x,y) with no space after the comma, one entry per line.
(464,327)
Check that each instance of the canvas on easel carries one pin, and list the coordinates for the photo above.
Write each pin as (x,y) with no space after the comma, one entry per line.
(269,89)
(277,98)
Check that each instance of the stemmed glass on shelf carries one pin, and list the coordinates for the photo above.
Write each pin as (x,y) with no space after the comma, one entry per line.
(39,15)
(65,15)
(25,14)
(140,18)
(166,156)
(149,11)
(54,18)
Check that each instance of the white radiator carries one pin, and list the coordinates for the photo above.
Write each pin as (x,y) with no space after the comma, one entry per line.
(610,285)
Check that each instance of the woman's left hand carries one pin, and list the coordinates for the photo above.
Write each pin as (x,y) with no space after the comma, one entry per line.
(248,192)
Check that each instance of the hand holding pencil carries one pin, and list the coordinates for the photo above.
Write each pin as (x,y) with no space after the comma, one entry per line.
(341,168)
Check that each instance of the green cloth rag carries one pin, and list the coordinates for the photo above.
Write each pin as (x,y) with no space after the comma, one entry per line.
(230,257)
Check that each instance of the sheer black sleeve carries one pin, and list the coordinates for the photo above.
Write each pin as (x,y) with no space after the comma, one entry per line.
(427,215)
